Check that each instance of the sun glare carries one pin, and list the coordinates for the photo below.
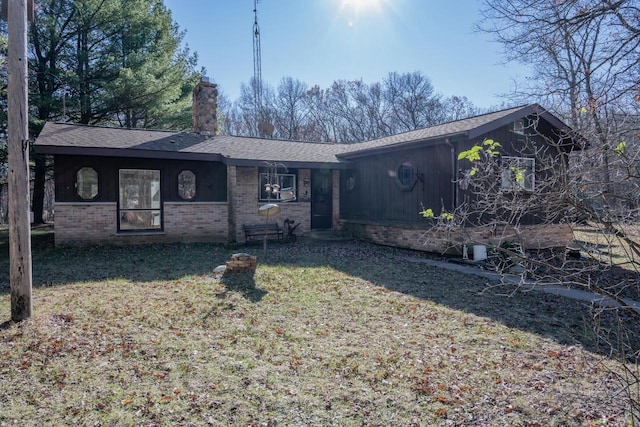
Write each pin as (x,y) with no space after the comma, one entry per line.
(361,4)
(356,10)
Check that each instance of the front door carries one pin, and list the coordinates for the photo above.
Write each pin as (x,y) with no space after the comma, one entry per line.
(321,199)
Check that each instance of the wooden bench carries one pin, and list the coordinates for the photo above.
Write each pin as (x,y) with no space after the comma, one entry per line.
(256,232)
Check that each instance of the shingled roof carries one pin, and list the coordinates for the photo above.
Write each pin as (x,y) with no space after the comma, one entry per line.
(471,127)
(57,138)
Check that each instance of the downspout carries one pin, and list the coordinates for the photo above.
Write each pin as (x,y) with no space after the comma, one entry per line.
(454,189)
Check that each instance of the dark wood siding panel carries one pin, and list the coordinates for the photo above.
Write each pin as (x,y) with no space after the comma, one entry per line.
(377,197)
(211,180)
(532,145)
(439,185)
(211,177)
(66,169)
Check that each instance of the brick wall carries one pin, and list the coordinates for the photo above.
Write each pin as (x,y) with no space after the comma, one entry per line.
(423,239)
(247,204)
(192,222)
(87,223)
(84,222)
(90,223)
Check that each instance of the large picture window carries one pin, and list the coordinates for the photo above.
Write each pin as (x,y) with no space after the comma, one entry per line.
(518,173)
(280,187)
(139,200)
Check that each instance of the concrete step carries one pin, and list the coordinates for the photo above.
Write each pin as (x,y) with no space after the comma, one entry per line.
(328,235)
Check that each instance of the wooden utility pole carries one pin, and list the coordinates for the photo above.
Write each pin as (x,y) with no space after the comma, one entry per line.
(18,159)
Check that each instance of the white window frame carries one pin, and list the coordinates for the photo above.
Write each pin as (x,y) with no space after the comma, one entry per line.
(508,176)
(518,127)
(286,190)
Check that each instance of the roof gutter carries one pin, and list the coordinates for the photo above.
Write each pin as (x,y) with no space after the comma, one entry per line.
(454,188)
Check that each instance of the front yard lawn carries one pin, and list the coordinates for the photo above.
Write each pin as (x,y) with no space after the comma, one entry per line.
(332,333)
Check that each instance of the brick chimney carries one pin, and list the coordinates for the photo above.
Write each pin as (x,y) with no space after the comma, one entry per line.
(205,105)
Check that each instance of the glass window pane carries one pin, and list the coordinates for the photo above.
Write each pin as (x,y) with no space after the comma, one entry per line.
(139,199)
(282,188)
(406,176)
(518,173)
(87,183)
(187,185)
(139,189)
(139,219)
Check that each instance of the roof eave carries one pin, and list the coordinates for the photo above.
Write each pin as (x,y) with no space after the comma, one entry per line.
(294,164)
(180,155)
(399,146)
(126,152)
(578,142)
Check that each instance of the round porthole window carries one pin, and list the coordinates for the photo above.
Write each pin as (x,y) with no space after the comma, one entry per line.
(406,176)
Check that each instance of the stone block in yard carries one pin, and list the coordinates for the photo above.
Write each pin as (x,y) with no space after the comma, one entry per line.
(241,263)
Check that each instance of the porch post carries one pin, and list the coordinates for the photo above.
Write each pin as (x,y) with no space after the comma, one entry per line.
(232,183)
(335,217)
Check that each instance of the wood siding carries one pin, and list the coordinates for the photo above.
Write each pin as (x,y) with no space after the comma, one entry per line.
(517,145)
(376,196)
(211,177)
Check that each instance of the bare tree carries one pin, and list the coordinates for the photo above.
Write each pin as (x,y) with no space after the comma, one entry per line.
(585,57)
(413,101)
(246,113)
(347,111)
(290,109)
(322,124)
(458,108)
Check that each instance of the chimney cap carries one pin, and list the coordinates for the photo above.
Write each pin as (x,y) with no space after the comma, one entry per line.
(205,79)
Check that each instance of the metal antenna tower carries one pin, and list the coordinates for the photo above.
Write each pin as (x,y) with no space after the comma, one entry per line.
(257,64)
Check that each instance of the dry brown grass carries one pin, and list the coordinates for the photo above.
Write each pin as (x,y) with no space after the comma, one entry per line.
(323,334)
(603,246)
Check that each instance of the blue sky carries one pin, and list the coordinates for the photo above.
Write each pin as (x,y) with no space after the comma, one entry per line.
(319,41)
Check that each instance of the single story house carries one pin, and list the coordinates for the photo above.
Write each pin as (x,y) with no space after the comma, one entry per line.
(122,186)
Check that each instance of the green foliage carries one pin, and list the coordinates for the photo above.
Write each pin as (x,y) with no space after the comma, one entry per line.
(474,154)
(518,174)
(619,150)
(427,213)
(153,77)
(447,216)
(115,62)
(491,147)
(488,149)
